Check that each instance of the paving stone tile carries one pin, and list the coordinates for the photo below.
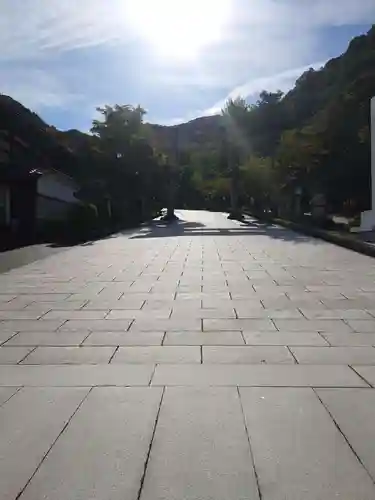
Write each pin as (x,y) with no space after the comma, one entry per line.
(6,297)
(188,305)
(367,372)
(247,355)
(12,355)
(22,314)
(192,457)
(47,338)
(362,326)
(354,412)
(239,324)
(203,338)
(15,305)
(43,297)
(336,314)
(6,393)
(6,335)
(224,313)
(350,339)
(158,354)
(87,296)
(298,451)
(140,314)
(335,355)
(165,324)
(202,296)
(305,304)
(75,315)
(369,311)
(109,439)
(245,294)
(350,304)
(284,338)
(269,313)
(23,325)
(103,325)
(247,305)
(318,325)
(30,423)
(214,303)
(56,306)
(103,304)
(257,375)
(192,288)
(125,302)
(69,356)
(154,305)
(124,338)
(75,375)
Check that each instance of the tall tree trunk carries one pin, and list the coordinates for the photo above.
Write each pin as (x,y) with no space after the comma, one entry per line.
(171,200)
(235,212)
(172,184)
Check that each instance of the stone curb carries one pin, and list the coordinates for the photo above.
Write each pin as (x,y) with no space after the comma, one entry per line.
(332,237)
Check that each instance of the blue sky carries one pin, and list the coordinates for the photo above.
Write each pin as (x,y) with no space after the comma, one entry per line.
(177,58)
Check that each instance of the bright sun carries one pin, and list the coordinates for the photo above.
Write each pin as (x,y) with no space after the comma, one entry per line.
(179,29)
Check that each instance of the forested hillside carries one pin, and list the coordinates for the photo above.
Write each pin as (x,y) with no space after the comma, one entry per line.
(316,137)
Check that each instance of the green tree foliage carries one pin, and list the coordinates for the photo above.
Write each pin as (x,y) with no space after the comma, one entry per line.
(316,138)
(131,172)
(235,119)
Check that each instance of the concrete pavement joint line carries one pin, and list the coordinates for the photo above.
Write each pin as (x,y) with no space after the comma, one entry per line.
(361,376)
(274,324)
(113,355)
(162,340)
(243,337)
(249,442)
(28,354)
(53,444)
(152,375)
(291,352)
(326,340)
(343,435)
(150,446)
(300,310)
(14,393)
(87,336)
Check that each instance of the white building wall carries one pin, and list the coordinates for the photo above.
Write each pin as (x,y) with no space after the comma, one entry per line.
(57,187)
(55,196)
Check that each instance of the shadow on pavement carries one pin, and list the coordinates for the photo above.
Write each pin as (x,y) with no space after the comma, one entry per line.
(18,257)
(160,229)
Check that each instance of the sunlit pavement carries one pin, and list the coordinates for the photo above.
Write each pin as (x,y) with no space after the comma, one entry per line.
(205,359)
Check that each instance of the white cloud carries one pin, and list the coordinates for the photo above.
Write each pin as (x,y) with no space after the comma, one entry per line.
(282,81)
(260,39)
(36,89)
(42,26)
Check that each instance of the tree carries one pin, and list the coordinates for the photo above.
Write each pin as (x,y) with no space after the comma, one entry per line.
(260,184)
(132,167)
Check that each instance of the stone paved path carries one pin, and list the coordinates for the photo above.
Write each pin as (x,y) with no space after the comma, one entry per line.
(208,360)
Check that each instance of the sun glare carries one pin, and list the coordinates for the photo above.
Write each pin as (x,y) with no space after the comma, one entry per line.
(179,29)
